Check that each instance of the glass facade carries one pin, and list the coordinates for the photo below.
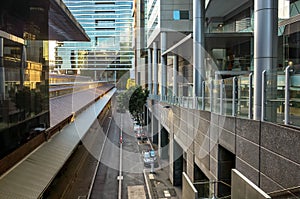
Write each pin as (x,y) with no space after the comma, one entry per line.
(109,26)
(24,101)
(229,42)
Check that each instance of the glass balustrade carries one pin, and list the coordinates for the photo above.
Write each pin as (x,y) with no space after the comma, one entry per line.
(234,97)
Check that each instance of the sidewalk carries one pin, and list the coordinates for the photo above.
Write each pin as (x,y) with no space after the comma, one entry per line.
(159,185)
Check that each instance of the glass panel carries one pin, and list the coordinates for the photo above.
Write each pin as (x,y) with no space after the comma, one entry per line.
(216,96)
(207,95)
(279,101)
(243,96)
(295,100)
(24,104)
(228,83)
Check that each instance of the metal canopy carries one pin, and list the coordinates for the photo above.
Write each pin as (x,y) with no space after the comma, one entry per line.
(63,25)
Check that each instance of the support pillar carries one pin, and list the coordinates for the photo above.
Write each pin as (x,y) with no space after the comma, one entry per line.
(23,66)
(265,54)
(198,46)
(150,70)
(155,69)
(177,164)
(154,129)
(175,74)
(159,139)
(163,48)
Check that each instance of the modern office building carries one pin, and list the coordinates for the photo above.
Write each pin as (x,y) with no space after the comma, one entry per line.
(109,53)
(224,83)
(25,28)
(139,41)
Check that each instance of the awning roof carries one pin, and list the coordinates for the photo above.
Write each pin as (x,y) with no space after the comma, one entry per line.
(62,24)
(30,178)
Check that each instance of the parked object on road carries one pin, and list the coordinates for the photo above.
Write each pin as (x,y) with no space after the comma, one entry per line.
(141,136)
(137,128)
(149,157)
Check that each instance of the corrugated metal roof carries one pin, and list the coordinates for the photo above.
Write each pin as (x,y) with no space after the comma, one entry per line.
(30,178)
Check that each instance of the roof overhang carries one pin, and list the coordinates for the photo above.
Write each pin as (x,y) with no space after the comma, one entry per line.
(62,24)
(217,8)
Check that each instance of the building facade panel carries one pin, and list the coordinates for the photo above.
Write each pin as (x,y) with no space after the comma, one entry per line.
(247,170)
(281,140)
(227,140)
(248,129)
(247,151)
(281,171)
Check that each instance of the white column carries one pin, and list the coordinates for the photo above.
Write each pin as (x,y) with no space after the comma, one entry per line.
(150,70)
(265,52)
(163,86)
(2,71)
(198,46)
(175,73)
(155,69)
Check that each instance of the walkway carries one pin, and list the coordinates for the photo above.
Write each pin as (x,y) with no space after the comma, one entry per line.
(30,178)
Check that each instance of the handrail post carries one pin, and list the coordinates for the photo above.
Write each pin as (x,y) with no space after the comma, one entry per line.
(211,95)
(250,108)
(234,92)
(203,96)
(287,96)
(263,95)
(221,96)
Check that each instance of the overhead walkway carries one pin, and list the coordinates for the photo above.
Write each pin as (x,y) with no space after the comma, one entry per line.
(31,177)
(65,106)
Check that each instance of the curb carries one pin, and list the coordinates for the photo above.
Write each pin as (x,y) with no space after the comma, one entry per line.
(147,184)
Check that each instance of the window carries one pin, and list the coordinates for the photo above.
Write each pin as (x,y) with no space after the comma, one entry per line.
(181,14)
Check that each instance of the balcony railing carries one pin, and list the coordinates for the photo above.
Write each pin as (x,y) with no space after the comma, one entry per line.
(234,97)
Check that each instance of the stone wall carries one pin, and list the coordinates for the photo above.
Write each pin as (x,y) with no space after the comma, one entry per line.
(266,153)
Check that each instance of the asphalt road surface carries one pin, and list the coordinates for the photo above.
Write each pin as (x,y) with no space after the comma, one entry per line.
(75,179)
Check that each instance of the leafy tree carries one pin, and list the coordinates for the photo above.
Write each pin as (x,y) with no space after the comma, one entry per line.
(137,101)
(133,99)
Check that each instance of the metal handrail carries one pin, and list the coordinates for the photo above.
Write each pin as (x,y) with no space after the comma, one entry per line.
(240,100)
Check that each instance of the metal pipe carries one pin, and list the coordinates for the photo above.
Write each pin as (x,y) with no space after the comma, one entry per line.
(203,96)
(234,92)
(150,70)
(2,71)
(198,45)
(175,70)
(211,95)
(265,51)
(263,95)
(155,69)
(287,96)
(250,108)
(163,83)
